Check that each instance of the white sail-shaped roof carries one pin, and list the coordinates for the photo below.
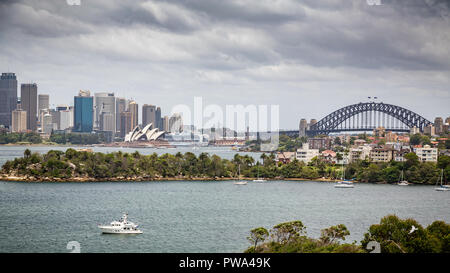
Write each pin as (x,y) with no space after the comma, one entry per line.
(156,135)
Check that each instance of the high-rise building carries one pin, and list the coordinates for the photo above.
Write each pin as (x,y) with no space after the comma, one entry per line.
(176,123)
(43,105)
(125,123)
(429,130)
(107,122)
(302,127)
(28,97)
(8,97)
(133,107)
(438,124)
(158,118)
(149,115)
(19,121)
(104,103)
(47,123)
(83,112)
(165,123)
(121,106)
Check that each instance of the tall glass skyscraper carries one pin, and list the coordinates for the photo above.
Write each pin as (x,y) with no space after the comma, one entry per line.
(8,97)
(84,112)
(28,98)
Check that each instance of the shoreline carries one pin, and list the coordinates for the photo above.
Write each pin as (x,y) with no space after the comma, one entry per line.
(26,179)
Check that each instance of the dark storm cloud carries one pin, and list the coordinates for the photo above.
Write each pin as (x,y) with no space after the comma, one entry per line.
(313,46)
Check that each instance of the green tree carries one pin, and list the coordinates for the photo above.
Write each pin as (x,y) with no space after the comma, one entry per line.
(258,235)
(334,233)
(288,231)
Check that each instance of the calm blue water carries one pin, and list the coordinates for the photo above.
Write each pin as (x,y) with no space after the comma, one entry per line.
(186,216)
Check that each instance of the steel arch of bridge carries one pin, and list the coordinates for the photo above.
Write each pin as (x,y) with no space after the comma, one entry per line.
(331,122)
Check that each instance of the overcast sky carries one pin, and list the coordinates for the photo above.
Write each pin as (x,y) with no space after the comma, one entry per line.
(310,57)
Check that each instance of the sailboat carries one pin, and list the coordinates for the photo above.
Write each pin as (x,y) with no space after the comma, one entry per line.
(442,187)
(401,181)
(343,183)
(258,179)
(240,182)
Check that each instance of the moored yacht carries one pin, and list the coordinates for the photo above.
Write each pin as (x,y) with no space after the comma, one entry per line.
(442,187)
(402,182)
(343,183)
(239,176)
(123,226)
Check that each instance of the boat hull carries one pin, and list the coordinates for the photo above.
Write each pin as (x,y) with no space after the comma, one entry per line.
(109,230)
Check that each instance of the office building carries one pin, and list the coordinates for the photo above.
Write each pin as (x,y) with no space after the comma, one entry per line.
(176,123)
(107,122)
(121,106)
(438,125)
(165,123)
(43,105)
(126,125)
(8,97)
(158,118)
(28,97)
(19,121)
(149,115)
(133,108)
(104,103)
(83,112)
(429,130)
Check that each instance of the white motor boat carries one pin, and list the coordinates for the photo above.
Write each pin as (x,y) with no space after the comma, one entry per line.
(123,226)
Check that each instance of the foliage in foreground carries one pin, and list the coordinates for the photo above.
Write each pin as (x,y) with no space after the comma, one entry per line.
(393,234)
(290,237)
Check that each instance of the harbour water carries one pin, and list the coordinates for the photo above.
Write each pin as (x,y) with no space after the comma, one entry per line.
(193,216)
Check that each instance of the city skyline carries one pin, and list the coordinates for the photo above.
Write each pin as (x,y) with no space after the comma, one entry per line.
(166,53)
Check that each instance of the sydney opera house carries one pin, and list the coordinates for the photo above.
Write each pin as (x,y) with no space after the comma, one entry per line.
(148,133)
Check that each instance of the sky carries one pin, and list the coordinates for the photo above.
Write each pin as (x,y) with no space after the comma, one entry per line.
(309,57)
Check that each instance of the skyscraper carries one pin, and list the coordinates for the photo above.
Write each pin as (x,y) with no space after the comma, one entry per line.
(125,123)
(158,118)
(134,110)
(28,97)
(438,125)
(19,121)
(8,97)
(43,105)
(105,103)
(176,123)
(84,112)
(121,106)
(149,115)
(165,123)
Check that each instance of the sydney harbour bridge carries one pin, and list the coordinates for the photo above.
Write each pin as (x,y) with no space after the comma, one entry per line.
(365,116)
